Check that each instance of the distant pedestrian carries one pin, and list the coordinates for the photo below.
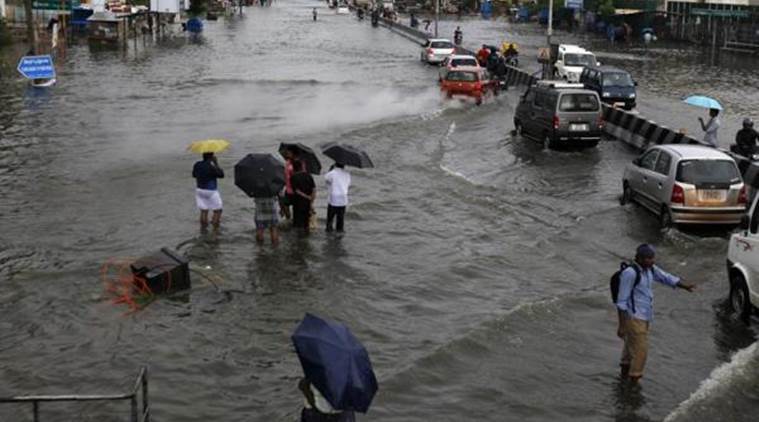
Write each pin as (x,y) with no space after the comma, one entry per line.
(314,13)
(745,139)
(207,195)
(267,217)
(338,183)
(304,194)
(710,128)
(635,308)
(317,409)
(413,22)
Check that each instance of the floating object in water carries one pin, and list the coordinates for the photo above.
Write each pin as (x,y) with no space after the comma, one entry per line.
(43,83)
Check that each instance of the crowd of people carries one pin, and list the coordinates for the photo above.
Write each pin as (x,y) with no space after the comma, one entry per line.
(295,203)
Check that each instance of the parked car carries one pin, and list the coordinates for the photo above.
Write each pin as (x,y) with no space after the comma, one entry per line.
(571,60)
(471,82)
(435,50)
(558,113)
(612,85)
(743,265)
(454,61)
(686,184)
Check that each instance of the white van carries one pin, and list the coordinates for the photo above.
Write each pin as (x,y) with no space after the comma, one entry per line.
(743,265)
(571,60)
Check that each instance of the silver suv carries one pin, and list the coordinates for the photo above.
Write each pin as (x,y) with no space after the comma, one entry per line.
(560,113)
(686,184)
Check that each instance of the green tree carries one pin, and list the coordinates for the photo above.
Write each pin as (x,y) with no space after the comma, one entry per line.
(606,9)
(197,7)
(5,35)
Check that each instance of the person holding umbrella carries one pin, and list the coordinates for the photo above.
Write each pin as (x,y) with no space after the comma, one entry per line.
(710,128)
(338,181)
(262,177)
(304,194)
(205,173)
(338,375)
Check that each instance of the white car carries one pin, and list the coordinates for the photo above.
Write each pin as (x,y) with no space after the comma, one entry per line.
(454,61)
(435,50)
(743,265)
(571,60)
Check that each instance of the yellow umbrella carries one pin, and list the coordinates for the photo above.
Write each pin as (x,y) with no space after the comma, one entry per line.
(209,145)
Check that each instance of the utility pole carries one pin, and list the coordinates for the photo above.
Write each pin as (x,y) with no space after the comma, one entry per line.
(549,32)
(437,14)
(31,33)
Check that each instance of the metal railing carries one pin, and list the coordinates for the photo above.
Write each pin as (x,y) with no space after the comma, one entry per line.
(140,385)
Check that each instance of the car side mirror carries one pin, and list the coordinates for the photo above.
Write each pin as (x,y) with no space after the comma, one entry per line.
(745,221)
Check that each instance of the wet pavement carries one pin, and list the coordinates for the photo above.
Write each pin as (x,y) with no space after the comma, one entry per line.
(475,267)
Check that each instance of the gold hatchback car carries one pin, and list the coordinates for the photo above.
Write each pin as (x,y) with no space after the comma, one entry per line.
(686,184)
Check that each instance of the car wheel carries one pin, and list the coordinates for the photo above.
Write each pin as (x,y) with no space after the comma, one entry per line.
(739,299)
(665,218)
(548,143)
(627,195)
(518,128)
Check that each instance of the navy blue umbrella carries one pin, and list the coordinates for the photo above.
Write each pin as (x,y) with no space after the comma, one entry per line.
(336,363)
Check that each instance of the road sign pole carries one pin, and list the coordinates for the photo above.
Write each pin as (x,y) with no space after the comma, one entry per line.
(31,33)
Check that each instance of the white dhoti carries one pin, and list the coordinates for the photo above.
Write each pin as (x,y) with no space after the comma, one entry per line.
(208,199)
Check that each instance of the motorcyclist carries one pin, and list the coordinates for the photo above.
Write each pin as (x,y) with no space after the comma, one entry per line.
(483,54)
(745,139)
(492,61)
(360,13)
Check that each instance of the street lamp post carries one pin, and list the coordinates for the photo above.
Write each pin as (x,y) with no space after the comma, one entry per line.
(547,67)
(437,14)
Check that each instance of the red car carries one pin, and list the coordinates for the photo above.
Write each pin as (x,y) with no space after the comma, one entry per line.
(469,81)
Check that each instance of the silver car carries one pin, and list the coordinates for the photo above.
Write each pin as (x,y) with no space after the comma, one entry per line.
(686,184)
(435,50)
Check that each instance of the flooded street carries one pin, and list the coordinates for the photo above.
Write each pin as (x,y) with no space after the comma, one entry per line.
(475,266)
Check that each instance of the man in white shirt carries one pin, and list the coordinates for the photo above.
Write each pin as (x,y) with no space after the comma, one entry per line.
(338,182)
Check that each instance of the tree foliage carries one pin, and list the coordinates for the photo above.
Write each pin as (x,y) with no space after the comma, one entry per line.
(197,7)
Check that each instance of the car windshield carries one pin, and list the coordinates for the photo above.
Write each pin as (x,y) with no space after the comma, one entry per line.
(696,172)
(578,102)
(441,44)
(463,62)
(462,76)
(573,59)
(617,79)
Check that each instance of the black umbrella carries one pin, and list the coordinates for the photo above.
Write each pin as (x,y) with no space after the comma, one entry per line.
(260,175)
(347,155)
(304,154)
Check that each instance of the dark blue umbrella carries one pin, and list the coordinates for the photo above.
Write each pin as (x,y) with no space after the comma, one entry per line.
(336,363)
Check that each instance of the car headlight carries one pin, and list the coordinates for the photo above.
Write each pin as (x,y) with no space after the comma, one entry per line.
(631,96)
(606,95)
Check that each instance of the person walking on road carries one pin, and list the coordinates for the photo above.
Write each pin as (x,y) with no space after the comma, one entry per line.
(338,182)
(267,217)
(458,36)
(207,195)
(745,139)
(710,128)
(304,194)
(314,14)
(635,308)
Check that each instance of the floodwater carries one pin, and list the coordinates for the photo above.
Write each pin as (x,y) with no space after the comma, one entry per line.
(474,268)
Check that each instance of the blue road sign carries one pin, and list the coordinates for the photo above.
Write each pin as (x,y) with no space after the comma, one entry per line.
(37,67)
(573,4)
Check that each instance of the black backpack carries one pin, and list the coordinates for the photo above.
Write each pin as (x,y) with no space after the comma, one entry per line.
(614,283)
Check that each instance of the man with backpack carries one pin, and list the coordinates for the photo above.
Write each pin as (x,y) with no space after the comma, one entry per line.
(632,292)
